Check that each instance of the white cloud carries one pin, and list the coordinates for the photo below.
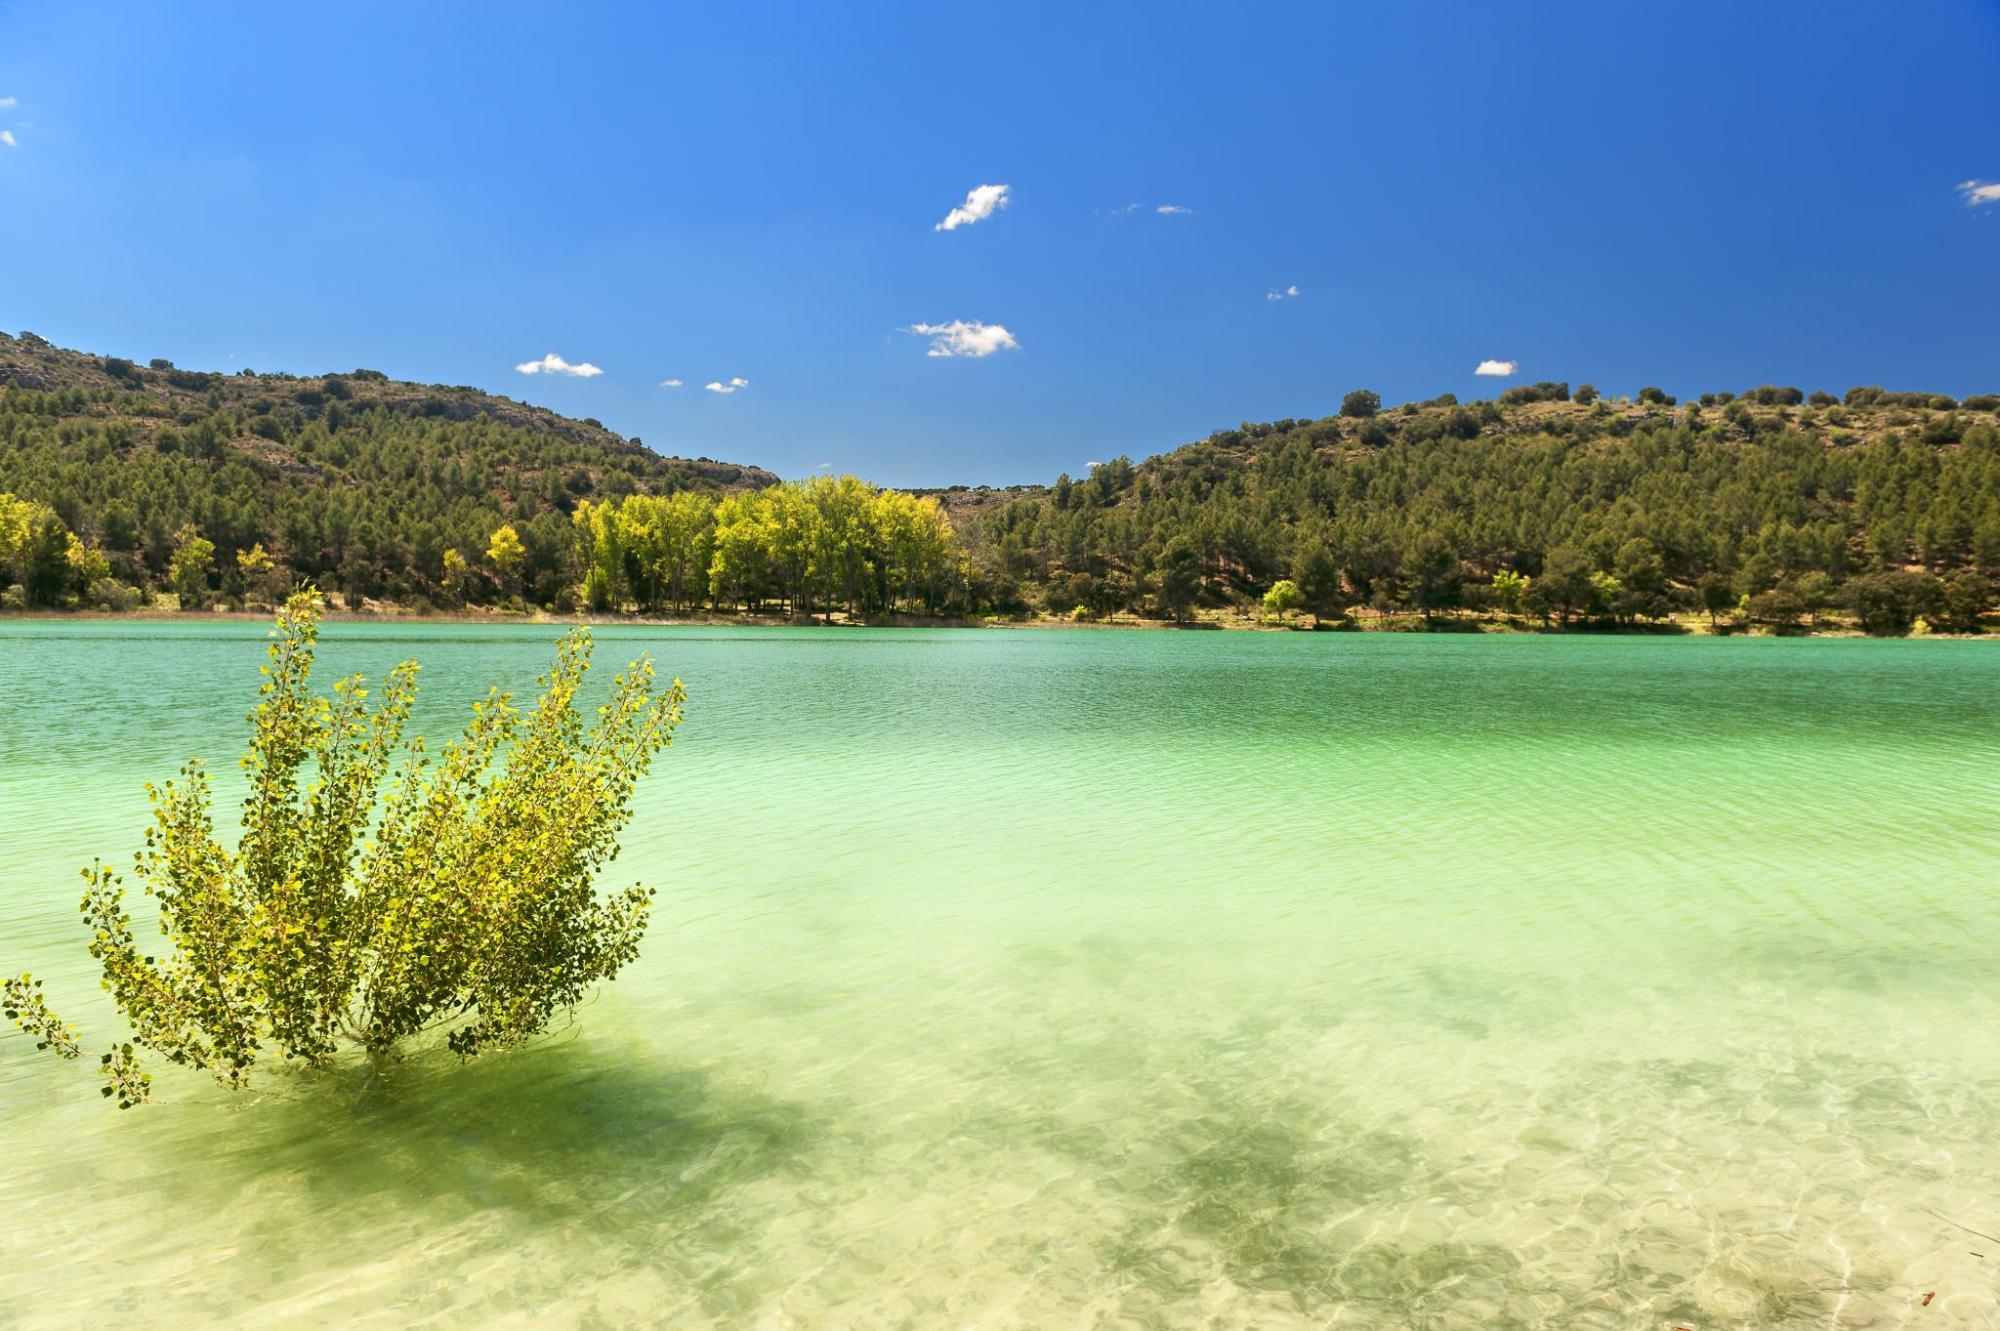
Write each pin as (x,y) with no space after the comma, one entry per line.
(670,383)
(1286,294)
(980,203)
(965,337)
(6,103)
(1977,192)
(717,386)
(1163,209)
(7,137)
(554,364)
(1497,369)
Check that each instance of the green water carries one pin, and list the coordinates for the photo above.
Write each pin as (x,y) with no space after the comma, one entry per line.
(1064,979)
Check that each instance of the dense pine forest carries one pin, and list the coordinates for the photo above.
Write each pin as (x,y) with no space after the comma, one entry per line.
(125,485)
(227,487)
(1770,506)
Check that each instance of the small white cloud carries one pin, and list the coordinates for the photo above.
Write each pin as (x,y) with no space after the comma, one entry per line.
(1497,369)
(965,337)
(717,386)
(1173,210)
(7,137)
(1093,465)
(554,364)
(6,103)
(824,466)
(1977,192)
(670,383)
(1126,211)
(980,203)
(1286,293)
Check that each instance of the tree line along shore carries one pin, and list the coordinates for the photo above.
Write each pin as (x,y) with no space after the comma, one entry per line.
(145,488)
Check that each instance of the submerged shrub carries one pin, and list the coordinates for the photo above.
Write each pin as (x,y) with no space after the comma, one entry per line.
(470,911)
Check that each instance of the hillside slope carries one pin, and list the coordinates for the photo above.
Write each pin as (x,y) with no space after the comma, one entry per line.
(1614,509)
(354,479)
(1771,506)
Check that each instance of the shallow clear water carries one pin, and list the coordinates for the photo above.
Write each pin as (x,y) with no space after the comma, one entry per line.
(1050,978)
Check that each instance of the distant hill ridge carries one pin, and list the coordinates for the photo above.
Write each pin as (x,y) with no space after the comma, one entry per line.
(354,479)
(31,362)
(1773,506)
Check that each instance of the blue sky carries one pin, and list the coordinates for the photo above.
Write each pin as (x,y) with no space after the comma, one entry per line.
(1695,195)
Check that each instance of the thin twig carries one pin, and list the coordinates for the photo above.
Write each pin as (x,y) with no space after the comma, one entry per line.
(1955,1225)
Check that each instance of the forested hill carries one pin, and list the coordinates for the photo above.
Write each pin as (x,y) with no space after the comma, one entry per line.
(1557,505)
(357,480)
(123,484)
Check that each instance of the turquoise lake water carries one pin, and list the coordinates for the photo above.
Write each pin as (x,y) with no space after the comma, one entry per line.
(1074,979)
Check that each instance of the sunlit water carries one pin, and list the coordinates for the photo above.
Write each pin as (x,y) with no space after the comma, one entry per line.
(1065,979)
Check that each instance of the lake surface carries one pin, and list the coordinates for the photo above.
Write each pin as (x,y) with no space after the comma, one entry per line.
(1067,978)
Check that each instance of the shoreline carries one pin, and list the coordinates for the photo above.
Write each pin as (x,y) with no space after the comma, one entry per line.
(1212,622)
